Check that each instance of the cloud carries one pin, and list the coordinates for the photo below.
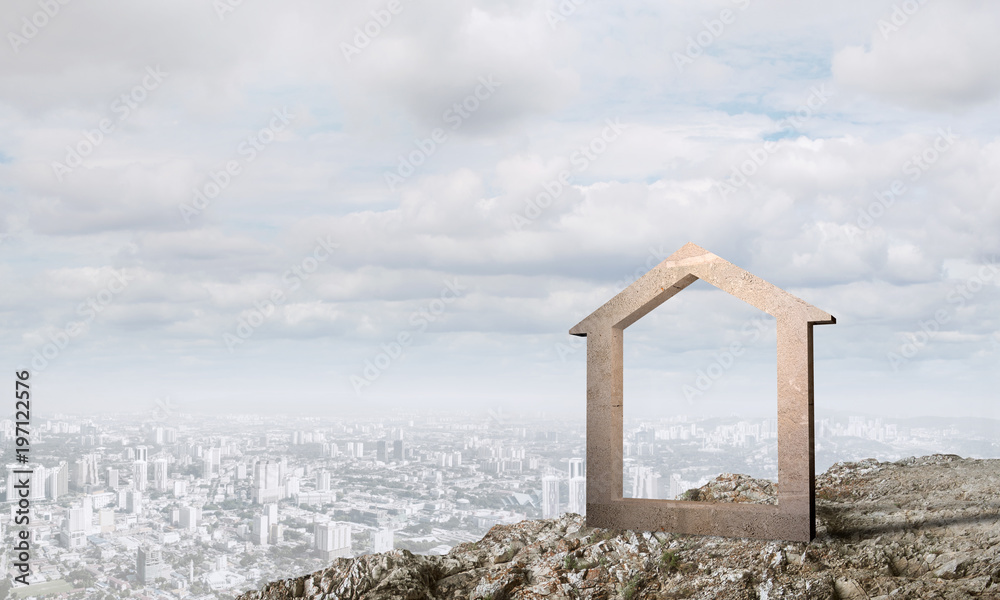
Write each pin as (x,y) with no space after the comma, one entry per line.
(804,219)
(940,57)
(98,198)
(85,55)
(424,65)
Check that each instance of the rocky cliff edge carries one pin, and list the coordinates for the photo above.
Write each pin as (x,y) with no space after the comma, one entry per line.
(917,528)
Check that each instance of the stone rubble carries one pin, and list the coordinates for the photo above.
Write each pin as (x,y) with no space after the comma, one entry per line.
(926,528)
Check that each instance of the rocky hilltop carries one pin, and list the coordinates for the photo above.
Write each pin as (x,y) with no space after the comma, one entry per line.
(917,528)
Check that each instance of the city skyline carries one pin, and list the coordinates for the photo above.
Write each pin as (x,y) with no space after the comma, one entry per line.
(206,508)
(309,209)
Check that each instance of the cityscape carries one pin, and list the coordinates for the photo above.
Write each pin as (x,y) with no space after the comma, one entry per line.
(205,507)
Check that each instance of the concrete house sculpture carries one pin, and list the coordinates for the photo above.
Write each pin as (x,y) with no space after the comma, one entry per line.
(794,517)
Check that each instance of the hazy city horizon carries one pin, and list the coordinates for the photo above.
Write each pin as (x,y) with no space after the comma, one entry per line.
(205,508)
(287,282)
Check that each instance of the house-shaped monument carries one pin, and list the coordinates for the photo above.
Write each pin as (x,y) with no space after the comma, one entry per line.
(794,516)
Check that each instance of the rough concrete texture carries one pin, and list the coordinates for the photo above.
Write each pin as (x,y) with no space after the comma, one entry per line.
(926,528)
(793,518)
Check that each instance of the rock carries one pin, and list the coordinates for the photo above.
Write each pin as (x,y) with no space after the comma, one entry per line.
(848,589)
(925,527)
(949,570)
(730,487)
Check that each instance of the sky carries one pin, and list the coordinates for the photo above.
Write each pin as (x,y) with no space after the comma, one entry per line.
(332,208)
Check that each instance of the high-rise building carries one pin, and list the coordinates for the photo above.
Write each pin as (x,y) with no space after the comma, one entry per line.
(550,497)
(28,483)
(578,495)
(11,481)
(63,484)
(333,540)
(322,481)
(73,534)
(267,482)
(78,478)
(133,502)
(149,565)
(259,530)
(397,449)
(88,514)
(160,474)
(277,533)
(140,475)
(53,484)
(576,468)
(37,484)
(106,520)
(382,540)
(84,472)
(380,451)
(76,519)
(112,478)
(676,486)
(646,483)
(211,463)
(189,518)
(142,453)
